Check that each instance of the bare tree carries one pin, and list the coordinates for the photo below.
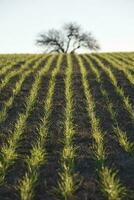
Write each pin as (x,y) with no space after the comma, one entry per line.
(69,39)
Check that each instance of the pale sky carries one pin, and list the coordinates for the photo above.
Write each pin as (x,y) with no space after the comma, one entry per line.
(111,22)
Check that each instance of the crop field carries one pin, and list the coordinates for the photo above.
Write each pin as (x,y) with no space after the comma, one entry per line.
(67,126)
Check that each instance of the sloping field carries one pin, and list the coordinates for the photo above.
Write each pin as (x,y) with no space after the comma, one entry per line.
(67,127)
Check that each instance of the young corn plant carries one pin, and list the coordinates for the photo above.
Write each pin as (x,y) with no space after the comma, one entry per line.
(14,73)
(9,148)
(121,135)
(38,153)
(8,103)
(9,65)
(110,185)
(66,184)
(94,69)
(122,61)
(124,142)
(119,90)
(129,64)
(116,65)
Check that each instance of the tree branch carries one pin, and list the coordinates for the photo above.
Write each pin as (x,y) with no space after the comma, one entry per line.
(68,43)
(75,49)
(60,47)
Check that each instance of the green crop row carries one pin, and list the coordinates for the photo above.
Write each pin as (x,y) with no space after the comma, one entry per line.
(119,90)
(109,181)
(38,153)
(121,135)
(8,152)
(66,175)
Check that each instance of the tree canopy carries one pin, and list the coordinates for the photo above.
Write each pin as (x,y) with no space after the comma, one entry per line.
(68,39)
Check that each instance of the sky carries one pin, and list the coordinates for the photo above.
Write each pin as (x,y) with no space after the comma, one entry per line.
(110,21)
